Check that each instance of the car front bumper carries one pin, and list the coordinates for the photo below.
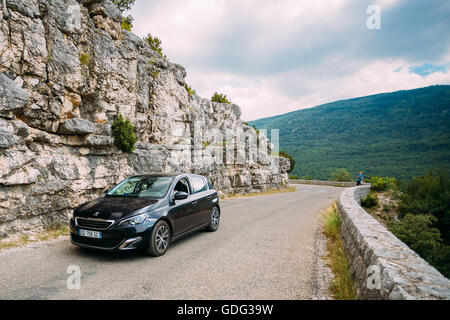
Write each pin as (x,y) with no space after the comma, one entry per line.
(115,238)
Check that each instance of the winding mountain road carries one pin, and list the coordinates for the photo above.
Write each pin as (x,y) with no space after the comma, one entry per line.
(264,249)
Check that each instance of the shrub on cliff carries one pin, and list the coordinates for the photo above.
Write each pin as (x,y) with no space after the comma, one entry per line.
(123,5)
(382,183)
(123,133)
(369,201)
(291,159)
(220,98)
(341,175)
(190,90)
(155,44)
(127,23)
(418,233)
(429,194)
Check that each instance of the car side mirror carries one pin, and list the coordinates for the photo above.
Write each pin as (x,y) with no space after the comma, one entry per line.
(180,195)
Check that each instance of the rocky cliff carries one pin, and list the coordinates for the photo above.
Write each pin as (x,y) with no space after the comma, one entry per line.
(66,70)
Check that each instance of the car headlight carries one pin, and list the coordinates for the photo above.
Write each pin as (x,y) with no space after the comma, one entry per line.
(134,220)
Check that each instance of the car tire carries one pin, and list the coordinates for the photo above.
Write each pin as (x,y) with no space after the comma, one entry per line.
(159,240)
(214,220)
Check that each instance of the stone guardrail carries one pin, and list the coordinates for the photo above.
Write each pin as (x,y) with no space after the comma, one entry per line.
(323,183)
(383,266)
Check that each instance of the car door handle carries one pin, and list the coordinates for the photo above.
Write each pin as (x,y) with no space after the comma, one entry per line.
(194,202)
(208,197)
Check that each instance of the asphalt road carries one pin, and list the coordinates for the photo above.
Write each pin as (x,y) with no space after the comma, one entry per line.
(264,249)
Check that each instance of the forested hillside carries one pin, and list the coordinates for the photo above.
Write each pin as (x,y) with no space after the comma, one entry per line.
(400,134)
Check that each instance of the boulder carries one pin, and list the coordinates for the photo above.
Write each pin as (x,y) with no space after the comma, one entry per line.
(12,97)
(7,139)
(76,126)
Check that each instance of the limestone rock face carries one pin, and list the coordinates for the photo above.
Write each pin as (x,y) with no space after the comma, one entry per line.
(12,97)
(66,70)
(76,126)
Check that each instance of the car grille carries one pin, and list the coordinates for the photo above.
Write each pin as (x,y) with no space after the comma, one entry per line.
(100,243)
(90,223)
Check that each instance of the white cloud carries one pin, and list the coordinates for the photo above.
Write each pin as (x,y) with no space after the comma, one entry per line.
(385,4)
(263,97)
(272,57)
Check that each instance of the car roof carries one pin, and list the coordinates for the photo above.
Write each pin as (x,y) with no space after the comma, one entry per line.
(170,174)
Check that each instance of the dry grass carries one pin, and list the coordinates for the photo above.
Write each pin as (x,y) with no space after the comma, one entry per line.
(52,232)
(342,285)
(254,194)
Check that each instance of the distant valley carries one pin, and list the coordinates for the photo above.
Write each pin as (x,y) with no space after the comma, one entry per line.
(400,134)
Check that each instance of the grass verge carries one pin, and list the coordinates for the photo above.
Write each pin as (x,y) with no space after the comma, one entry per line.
(254,194)
(341,286)
(51,232)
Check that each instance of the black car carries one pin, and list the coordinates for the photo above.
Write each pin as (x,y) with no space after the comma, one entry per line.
(146,212)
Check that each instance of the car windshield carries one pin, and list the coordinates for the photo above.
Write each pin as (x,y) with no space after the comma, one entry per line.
(154,187)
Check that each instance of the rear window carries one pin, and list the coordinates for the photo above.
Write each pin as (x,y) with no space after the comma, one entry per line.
(198,184)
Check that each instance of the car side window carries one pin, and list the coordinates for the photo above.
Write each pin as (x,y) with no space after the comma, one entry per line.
(198,184)
(182,185)
(210,186)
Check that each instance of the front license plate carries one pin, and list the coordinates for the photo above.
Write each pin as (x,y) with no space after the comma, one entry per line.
(90,233)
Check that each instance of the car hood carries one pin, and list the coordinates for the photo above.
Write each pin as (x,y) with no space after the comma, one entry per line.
(113,208)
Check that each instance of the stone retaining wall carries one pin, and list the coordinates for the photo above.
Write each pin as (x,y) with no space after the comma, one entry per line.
(382,265)
(323,183)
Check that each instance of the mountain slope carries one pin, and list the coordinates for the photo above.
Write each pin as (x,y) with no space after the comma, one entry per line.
(400,134)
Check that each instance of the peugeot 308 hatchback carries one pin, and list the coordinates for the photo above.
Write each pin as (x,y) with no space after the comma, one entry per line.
(146,212)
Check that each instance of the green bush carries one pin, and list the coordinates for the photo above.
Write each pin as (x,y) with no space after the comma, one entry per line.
(127,23)
(306,178)
(429,194)
(340,175)
(418,233)
(190,90)
(369,201)
(293,176)
(291,159)
(155,44)
(123,5)
(123,133)
(382,183)
(85,58)
(220,98)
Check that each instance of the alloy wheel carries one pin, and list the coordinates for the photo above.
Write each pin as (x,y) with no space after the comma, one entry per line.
(162,237)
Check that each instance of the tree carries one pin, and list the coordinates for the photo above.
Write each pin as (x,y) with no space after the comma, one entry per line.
(123,133)
(220,98)
(123,5)
(418,232)
(429,194)
(155,43)
(190,90)
(340,175)
(291,159)
(127,23)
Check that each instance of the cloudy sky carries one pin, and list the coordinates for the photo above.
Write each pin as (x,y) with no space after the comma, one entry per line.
(277,56)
